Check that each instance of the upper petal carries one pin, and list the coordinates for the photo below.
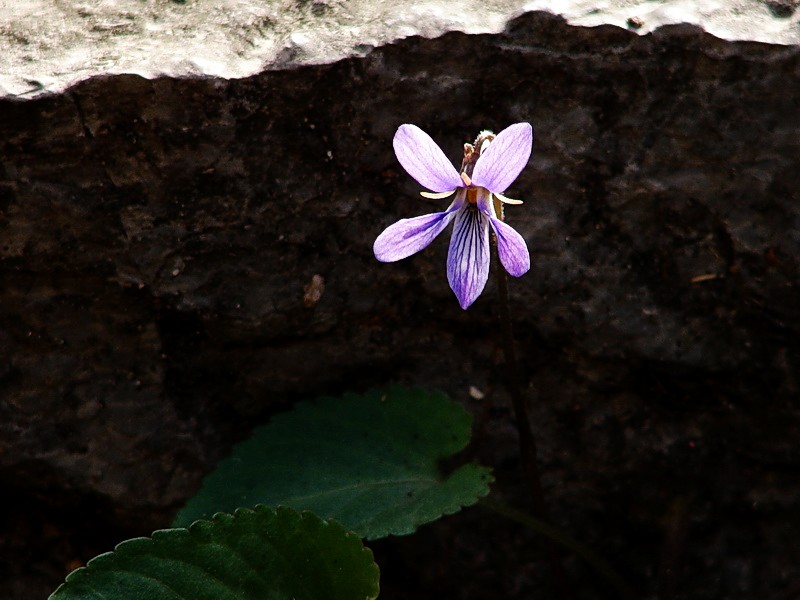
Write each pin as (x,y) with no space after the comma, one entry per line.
(409,236)
(468,257)
(424,160)
(500,164)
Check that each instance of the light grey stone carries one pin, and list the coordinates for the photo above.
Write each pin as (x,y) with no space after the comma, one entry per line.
(46,46)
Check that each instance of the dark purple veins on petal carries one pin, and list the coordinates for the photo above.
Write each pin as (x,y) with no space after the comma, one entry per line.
(468,257)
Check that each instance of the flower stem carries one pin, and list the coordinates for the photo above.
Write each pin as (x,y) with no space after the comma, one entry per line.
(527,442)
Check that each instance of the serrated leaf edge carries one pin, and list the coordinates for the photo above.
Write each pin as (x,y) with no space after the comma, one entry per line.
(123,547)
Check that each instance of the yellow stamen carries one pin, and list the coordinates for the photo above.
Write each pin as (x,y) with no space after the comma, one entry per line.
(436,195)
(465,178)
(505,200)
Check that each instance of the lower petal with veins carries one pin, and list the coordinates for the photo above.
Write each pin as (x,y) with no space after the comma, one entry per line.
(468,257)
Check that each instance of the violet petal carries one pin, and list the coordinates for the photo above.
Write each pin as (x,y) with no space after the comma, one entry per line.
(500,164)
(468,258)
(409,236)
(424,160)
(511,249)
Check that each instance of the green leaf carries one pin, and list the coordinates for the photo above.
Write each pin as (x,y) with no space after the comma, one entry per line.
(262,553)
(370,462)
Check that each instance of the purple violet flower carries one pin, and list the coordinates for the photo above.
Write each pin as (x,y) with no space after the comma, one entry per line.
(489,167)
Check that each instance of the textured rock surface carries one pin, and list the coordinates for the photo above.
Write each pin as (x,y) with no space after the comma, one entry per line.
(160,240)
(772,21)
(46,46)
(230,38)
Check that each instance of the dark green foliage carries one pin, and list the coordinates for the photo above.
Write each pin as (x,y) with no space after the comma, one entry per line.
(369,461)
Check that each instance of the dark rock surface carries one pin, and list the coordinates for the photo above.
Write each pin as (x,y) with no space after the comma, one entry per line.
(159,238)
